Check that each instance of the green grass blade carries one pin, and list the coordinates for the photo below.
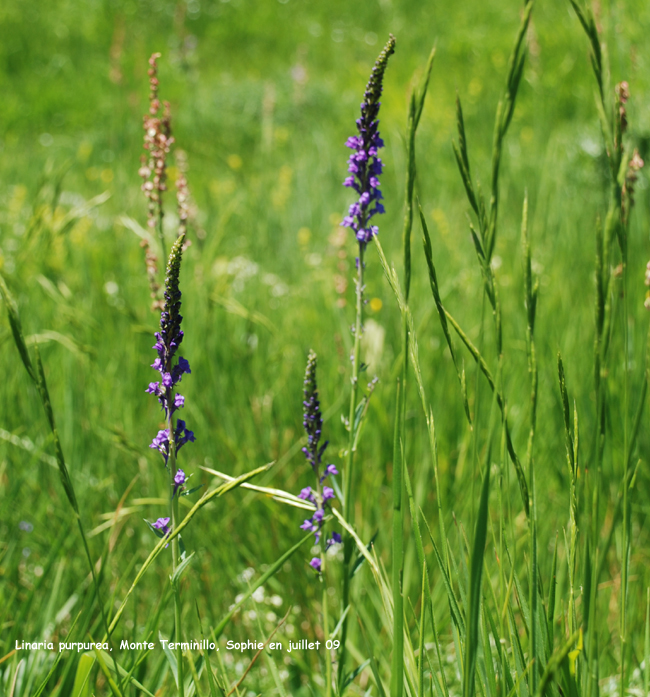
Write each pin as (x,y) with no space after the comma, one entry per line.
(397,665)
(456,615)
(81,687)
(17,329)
(474,600)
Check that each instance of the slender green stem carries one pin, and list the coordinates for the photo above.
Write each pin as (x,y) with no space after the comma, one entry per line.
(175,518)
(326,630)
(323,579)
(626,508)
(159,226)
(397,673)
(347,508)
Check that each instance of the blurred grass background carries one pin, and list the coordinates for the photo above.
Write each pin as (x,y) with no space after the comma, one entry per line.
(263,96)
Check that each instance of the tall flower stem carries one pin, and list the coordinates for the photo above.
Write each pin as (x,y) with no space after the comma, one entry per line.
(348,503)
(169,441)
(397,671)
(320,496)
(365,167)
(326,630)
(174,515)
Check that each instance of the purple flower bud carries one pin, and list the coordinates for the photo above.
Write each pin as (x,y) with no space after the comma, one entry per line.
(328,493)
(334,540)
(316,564)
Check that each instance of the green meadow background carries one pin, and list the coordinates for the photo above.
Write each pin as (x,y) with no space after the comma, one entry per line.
(263,96)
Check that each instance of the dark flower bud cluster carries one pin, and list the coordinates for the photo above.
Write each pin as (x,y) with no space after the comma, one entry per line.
(364,165)
(321,495)
(171,371)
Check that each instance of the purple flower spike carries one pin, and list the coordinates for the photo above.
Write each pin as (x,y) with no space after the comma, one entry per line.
(169,338)
(364,163)
(314,450)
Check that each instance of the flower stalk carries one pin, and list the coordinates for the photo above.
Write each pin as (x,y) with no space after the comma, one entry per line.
(321,496)
(364,167)
(171,439)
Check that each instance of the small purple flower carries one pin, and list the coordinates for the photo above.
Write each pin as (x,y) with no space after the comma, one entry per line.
(328,493)
(161,443)
(182,435)
(179,480)
(336,539)
(364,163)
(307,494)
(330,469)
(161,524)
(316,564)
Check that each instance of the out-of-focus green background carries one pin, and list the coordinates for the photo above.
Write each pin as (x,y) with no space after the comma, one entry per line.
(263,95)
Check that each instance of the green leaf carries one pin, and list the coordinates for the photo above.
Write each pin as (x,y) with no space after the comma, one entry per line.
(174,578)
(361,558)
(373,662)
(171,659)
(349,678)
(476,571)
(158,533)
